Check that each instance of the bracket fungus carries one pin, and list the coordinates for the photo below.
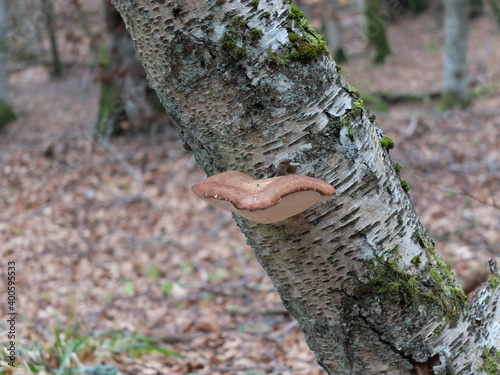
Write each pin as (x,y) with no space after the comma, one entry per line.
(263,201)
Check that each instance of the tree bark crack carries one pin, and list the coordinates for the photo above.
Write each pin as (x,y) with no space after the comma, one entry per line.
(387,343)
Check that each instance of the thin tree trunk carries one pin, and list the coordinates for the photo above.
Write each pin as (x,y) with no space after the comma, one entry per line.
(476,8)
(331,27)
(377,42)
(48,9)
(6,112)
(26,30)
(358,272)
(125,99)
(455,86)
(495,8)
(4,52)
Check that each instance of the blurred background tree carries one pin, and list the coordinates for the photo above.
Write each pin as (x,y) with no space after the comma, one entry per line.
(455,84)
(126,103)
(6,112)
(48,10)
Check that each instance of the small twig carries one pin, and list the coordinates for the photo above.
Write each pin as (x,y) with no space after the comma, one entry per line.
(134,173)
(486,203)
(412,126)
(219,289)
(180,338)
(281,368)
(279,336)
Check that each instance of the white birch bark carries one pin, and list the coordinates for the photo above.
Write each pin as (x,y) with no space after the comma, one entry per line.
(455,86)
(358,272)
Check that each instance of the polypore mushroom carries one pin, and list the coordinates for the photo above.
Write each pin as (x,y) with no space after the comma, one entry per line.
(264,201)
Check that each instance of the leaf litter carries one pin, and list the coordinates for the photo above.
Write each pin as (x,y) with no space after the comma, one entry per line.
(126,246)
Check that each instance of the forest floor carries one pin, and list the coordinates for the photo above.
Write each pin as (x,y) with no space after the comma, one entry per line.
(108,236)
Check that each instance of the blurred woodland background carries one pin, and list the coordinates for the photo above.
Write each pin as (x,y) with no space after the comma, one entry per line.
(120,269)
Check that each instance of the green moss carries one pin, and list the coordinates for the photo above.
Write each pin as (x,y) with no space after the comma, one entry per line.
(279,59)
(350,131)
(307,44)
(233,40)
(393,284)
(353,90)
(254,3)
(441,274)
(400,220)
(392,251)
(397,167)
(294,37)
(237,52)
(387,143)
(335,123)
(416,260)
(491,362)
(348,120)
(306,51)
(405,185)
(297,15)
(256,34)
(494,281)
(357,104)
(437,332)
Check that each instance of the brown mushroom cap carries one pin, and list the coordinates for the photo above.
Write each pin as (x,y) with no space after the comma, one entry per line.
(264,201)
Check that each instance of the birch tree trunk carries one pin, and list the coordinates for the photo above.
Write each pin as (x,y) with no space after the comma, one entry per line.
(249,85)
(455,86)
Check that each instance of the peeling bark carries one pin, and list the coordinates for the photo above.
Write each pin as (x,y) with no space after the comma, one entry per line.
(358,272)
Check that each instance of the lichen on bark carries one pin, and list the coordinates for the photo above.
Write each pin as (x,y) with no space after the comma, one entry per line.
(329,263)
